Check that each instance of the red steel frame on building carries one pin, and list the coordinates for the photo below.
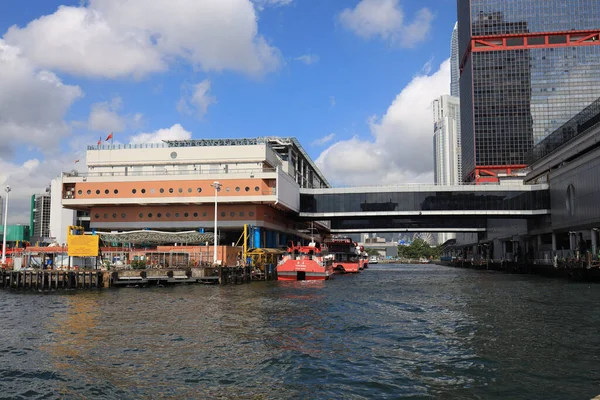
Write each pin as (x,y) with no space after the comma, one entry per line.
(521,41)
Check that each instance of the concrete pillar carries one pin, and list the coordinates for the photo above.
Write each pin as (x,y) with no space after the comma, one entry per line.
(539,243)
(504,248)
(572,241)
(554,241)
(594,242)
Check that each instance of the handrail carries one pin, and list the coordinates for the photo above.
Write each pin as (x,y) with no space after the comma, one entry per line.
(76,174)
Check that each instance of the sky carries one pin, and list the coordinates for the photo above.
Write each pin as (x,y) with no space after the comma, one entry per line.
(353,80)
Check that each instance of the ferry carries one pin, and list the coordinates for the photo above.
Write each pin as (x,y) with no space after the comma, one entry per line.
(346,255)
(305,263)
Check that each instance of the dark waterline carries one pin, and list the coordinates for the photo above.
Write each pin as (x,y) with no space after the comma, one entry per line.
(419,331)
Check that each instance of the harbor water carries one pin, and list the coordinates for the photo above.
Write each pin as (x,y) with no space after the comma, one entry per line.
(393,331)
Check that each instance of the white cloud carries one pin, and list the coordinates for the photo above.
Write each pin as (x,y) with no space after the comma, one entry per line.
(308,59)
(198,100)
(31,177)
(400,150)
(385,18)
(262,4)
(105,117)
(323,140)
(176,132)
(33,103)
(116,38)
(332,101)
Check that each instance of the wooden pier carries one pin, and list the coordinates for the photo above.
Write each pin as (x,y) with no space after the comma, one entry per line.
(51,280)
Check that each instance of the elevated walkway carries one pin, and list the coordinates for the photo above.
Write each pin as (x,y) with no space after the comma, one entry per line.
(422,208)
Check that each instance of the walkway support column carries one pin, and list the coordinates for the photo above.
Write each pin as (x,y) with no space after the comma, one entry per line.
(554,242)
(594,242)
(572,242)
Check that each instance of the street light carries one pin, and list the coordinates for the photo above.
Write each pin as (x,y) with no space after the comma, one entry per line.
(217,186)
(7,189)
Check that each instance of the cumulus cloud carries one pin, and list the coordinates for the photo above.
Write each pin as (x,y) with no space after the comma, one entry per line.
(323,140)
(33,103)
(30,177)
(308,59)
(198,100)
(400,147)
(386,19)
(105,117)
(176,132)
(117,38)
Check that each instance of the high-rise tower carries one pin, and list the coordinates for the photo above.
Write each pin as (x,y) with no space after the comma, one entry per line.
(526,67)
(454,64)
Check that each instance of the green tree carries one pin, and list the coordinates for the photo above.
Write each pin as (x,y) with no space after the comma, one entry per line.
(418,249)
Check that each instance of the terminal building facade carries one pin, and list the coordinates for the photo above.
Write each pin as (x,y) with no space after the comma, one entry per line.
(171,187)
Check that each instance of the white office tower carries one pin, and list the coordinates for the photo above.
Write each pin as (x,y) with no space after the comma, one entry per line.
(454,64)
(446,141)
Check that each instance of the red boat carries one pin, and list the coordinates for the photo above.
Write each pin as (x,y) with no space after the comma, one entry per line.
(305,263)
(346,255)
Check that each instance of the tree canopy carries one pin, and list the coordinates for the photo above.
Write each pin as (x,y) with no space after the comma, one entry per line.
(418,249)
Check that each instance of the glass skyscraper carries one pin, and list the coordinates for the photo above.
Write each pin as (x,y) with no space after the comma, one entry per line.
(527,67)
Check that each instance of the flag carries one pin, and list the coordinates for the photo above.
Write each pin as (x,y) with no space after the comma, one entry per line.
(100,141)
(109,137)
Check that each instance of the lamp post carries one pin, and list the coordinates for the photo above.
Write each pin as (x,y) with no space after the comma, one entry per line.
(7,189)
(217,186)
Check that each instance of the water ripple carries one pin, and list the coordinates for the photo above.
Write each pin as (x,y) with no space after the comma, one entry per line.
(390,332)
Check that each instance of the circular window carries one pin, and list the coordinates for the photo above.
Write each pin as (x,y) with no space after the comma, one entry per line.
(237,189)
(241,213)
(186,215)
(89,192)
(105,216)
(189,190)
(141,215)
(223,213)
(247,189)
(251,213)
(180,190)
(176,215)
(97,216)
(80,192)
(232,214)
(115,215)
(570,200)
(123,215)
(173,155)
(227,189)
(171,190)
(158,215)
(152,190)
(106,191)
(199,190)
(204,214)
(116,191)
(133,191)
(162,190)
(143,191)
(97,191)
(149,215)
(195,215)
(256,188)
(168,215)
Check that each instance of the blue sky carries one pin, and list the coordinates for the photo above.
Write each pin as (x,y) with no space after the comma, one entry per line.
(342,76)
